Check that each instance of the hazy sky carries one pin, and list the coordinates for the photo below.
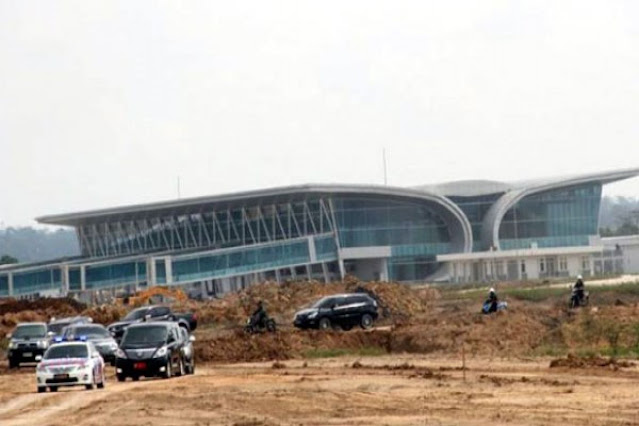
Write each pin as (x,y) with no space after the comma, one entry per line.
(105,103)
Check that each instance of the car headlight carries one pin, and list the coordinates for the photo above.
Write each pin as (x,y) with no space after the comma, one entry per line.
(43,344)
(13,345)
(312,315)
(120,353)
(113,346)
(160,352)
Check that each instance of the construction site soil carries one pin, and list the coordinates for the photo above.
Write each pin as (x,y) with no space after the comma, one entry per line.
(430,360)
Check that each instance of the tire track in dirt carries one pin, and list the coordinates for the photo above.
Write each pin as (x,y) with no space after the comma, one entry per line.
(24,409)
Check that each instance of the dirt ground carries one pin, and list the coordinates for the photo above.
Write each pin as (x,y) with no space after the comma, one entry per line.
(381,390)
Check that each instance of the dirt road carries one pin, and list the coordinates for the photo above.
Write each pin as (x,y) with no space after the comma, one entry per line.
(398,390)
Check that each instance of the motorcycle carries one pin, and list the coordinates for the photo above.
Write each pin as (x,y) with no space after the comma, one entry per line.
(501,306)
(576,301)
(252,327)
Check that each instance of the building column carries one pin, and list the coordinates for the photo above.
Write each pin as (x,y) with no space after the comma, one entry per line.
(64,277)
(151,273)
(10,283)
(83,283)
(168,267)
(278,277)
(325,272)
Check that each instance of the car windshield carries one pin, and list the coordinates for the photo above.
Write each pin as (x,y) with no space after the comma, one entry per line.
(57,327)
(66,351)
(324,302)
(93,332)
(136,314)
(137,336)
(30,331)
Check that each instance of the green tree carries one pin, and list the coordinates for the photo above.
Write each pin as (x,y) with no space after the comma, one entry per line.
(6,259)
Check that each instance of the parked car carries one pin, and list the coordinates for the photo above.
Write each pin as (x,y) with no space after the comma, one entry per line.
(152,313)
(70,364)
(56,326)
(341,310)
(27,342)
(95,333)
(150,350)
(187,350)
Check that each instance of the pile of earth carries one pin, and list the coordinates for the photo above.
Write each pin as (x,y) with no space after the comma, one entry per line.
(511,333)
(398,302)
(240,347)
(14,311)
(516,331)
(573,361)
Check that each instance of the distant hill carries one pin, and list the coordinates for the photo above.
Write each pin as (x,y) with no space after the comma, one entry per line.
(32,245)
(619,216)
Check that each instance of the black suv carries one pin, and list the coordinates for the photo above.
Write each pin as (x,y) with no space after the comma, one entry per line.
(27,343)
(150,350)
(151,313)
(343,310)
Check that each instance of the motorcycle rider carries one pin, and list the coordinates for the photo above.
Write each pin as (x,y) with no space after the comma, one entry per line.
(579,288)
(259,316)
(492,299)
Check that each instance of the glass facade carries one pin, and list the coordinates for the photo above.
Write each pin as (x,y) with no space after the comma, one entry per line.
(413,230)
(475,208)
(4,285)
(114,274)
(225,228)
(212,265)
(75,279)
(45,279)
(562,217)
(365,222)
(325,248)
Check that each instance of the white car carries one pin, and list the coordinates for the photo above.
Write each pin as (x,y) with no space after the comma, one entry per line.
(70,364)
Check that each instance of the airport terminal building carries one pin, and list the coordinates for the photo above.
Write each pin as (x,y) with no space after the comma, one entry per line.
(455,232)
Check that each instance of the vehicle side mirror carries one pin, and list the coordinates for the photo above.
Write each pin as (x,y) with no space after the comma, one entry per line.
(9,335)
(50,333)
(191,338)
(147,317)
(38,358)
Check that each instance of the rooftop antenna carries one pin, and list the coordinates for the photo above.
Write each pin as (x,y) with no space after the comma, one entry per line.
(178,187)
(384,160)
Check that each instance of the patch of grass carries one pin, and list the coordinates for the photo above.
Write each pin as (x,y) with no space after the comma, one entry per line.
(534,294)
(337,352)
(550,350)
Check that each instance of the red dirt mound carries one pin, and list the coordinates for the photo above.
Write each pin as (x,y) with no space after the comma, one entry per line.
(397,301)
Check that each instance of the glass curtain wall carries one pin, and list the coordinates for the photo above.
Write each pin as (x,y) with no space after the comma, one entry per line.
(415,232)
(563,217)
(223,228)
(475,208)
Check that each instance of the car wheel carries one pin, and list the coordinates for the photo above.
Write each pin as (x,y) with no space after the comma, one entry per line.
(120,377)
(101,384)
(324,324)
(53,388)
(180,371)
(42,389)
(88,387)
(168,373)
(135,378)
(192,368)
(366,321)
(13,364)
